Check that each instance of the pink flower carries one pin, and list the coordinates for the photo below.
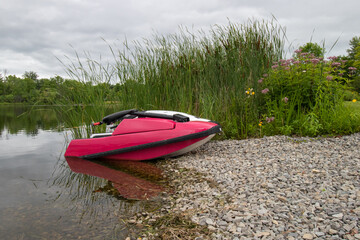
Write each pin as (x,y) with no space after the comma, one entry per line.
(311,55)
(329,78)
(352,68)
(275,66)
(270,119)
(260,80)
(265,75)
(285,99)
(336,64)
(265,91)
(332,58)
(315,60)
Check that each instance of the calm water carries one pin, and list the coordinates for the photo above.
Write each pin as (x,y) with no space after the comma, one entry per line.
(45,196)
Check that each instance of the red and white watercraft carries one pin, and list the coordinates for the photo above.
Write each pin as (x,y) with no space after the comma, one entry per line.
(145,135)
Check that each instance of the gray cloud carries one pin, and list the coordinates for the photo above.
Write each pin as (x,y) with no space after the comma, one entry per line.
(34,33)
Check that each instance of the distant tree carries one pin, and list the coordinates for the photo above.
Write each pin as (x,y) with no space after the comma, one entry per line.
(313,48)
(2,86)
(353,63)
(31,75)
(354,43)
(356,58)
(57,80)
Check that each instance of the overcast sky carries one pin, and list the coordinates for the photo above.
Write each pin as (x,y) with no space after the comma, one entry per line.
(34,33)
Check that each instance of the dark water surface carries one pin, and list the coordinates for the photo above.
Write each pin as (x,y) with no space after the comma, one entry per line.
(45,196)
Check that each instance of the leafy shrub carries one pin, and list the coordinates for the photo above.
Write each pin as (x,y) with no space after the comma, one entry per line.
(356,84)
(304,95)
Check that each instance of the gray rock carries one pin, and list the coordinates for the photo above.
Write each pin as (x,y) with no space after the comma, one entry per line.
(222,223)
(294,235)
(262,211)
(348,227)
(308,236)
(319,234)
(336,226)
(338,215)
(209,221)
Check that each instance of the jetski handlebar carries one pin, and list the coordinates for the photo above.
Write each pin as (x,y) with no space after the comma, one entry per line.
(115,116)
(176,117)
(118,115)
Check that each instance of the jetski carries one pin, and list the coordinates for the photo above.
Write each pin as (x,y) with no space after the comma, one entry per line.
(144,135)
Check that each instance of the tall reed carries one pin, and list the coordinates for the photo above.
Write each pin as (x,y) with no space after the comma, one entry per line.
(82,100)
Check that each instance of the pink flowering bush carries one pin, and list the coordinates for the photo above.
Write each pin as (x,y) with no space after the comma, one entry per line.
(265,91)
(299,94)
(303,78)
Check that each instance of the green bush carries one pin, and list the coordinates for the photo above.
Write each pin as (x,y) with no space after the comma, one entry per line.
(356,84)
(304,96)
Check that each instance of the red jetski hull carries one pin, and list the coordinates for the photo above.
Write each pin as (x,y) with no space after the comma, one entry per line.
(145,138)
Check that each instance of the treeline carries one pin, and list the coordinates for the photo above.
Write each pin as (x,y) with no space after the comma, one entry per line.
(28,89)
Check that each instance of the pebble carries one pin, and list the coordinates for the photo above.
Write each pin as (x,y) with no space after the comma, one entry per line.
(222,223)
(209,221)
(308,236)
(274,187)
(339,215)
(319,234)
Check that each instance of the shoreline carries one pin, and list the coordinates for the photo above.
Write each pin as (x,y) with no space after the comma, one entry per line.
(274,187)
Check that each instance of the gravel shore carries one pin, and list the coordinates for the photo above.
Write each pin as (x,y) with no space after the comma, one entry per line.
(272,188)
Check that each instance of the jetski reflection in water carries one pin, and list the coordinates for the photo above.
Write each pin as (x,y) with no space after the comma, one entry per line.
(124,176)
(144,135)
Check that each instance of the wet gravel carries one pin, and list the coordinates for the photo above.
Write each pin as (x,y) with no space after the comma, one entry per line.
(272,188)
